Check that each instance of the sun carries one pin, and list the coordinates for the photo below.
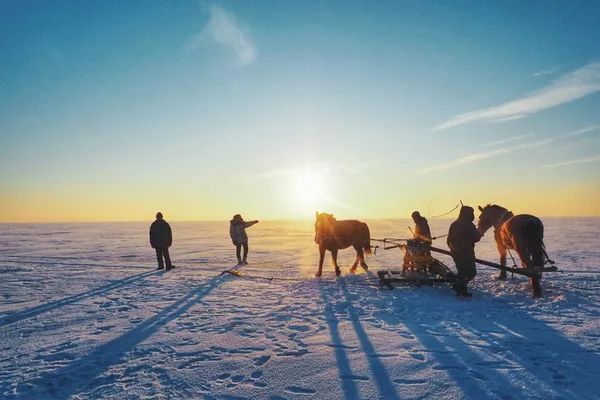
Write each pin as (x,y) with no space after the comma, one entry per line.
(309,188)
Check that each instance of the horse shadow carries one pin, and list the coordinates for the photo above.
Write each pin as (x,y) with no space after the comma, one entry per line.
(343,363)
(503,353)
(44,308)
(384,383)
(80,374)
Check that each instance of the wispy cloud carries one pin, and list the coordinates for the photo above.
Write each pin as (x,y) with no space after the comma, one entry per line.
(504,141)
(224,29)
(486,155)
(544,72)
(470,159)
(570,87)
(586,160)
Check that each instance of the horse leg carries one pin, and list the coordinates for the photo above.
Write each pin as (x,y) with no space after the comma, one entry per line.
(526,258)
(502,251)
(334,253)
(362,260)
(537,258)
(353,268)
(321,258)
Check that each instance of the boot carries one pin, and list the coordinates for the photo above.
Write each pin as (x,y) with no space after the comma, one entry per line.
(461,289)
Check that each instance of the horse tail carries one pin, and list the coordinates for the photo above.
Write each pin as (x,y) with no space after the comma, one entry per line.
(367,240)
(533,231)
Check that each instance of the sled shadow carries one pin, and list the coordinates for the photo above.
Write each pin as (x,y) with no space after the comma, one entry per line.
(64,382)
(508,353)
(43,308)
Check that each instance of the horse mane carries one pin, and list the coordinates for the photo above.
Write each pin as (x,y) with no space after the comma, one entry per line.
(495,207)
(327,216)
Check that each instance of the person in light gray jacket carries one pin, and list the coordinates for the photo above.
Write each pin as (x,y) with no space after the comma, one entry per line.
(237,232)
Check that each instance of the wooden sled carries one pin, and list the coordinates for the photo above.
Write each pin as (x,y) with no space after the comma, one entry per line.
(419,267)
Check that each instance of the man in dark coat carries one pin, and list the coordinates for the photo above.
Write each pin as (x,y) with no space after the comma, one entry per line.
(462,237)
(161,239)
(422,231)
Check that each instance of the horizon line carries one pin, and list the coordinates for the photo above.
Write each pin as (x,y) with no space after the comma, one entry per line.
(262,220)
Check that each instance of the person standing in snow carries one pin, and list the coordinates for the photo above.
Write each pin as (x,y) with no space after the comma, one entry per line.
(237,232)
(462,237)
(160,240)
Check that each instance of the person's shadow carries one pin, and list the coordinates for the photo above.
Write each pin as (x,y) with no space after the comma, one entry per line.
(80,374)
(43,308)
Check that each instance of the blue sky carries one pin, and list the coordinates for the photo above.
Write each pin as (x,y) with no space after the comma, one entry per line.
(225,106)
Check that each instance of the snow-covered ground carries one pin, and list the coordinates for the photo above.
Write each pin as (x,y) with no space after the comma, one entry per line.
(84,314)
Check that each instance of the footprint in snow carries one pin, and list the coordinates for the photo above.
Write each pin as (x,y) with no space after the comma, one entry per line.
(299,327)
(300,390)
(417,356)
(222,377)
(254,378)
(354,378)
(256,374)
(262,360)
(410,381)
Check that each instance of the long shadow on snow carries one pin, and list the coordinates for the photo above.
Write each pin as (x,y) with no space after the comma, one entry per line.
(80,374)
(43,308)
(458,360)
(385,386)
(532,344)
(343,364)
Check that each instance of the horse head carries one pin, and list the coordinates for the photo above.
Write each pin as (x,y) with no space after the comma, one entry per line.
(491,215)
(323,226)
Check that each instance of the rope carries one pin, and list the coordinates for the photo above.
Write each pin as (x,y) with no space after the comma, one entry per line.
(270,279)
(444,214)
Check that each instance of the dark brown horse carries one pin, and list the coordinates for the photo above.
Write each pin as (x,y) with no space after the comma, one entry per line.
(523,233)
(334,235)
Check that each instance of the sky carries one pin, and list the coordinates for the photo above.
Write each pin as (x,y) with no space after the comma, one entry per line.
(112,110)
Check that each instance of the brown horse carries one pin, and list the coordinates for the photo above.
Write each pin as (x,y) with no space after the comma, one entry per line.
(334,235)
(523,233)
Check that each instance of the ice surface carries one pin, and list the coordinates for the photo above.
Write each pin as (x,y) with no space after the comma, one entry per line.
(84,314)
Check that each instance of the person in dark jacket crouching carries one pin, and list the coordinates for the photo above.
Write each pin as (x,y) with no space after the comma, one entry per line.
(462,237)
(160,240)
(239,237)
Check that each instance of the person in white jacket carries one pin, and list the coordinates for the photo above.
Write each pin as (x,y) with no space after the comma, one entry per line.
(237,232)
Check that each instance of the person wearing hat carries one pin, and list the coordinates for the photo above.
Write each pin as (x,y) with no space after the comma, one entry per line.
(462,237)
(237,232)
(160,240)
(422,231)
